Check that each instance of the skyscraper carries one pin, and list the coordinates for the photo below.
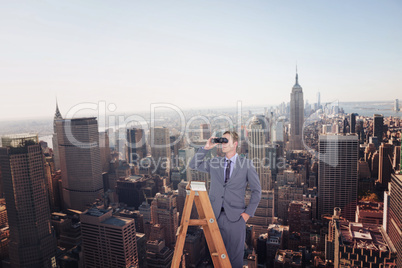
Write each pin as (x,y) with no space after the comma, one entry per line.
(256,150)
(32,243)
(352,123)
(400,164)
(108,241)
(80,161)
(185,156)
(296,116)
(56,156)
(104,148)
(166,216)
(393,214)
(161,152)
(385,164)
(338,178)
(136,145)
(378,127)
(205,131)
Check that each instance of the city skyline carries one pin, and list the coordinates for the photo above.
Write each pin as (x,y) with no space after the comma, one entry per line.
(135,54)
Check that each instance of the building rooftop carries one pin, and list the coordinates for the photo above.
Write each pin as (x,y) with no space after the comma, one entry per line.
(364,235)
(96,212)
(117,221)
(288,256)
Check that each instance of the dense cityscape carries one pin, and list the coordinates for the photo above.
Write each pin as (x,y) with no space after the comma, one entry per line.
(330,183)
(200,134)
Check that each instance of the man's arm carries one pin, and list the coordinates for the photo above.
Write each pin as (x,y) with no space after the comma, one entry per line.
(197,161)
(255,187)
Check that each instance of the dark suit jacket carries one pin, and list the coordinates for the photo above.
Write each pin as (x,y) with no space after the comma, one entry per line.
(230,195)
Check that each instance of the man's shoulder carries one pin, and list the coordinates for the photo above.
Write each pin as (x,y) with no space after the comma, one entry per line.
(244,161)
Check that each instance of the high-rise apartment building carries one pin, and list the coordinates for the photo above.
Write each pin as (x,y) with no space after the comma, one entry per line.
(80,162)
(108,241)
(337,171)
(296,116)
(32,242)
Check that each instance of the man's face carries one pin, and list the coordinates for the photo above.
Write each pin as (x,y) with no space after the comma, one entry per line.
(230,146)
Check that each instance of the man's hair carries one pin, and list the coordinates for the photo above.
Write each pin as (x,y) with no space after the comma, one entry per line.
(233,134)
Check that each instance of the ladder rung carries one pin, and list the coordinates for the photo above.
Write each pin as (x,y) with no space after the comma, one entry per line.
(197,222)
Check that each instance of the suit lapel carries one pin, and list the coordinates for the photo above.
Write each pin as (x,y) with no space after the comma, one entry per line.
(221,169)
(237,166)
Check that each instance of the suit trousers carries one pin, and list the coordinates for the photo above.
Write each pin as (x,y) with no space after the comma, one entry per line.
(234,236)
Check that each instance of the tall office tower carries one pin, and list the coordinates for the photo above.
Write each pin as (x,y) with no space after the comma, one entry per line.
(337,174)
(161,153)
(360,130)
(385,164)
(352,123)
(185,156)
(176,143)
(145,210)
(121,143)
(56,155)
(299,220)
(393,214)
(396,105)
(104,151)
(4,231)
(279,135)
(296,116)
(205,131)
(80,163)
(166,216)
(400,164)
(32,242)
(397,158)
(136,145)
(256,150)
(378,127)
(345,126)
(108,241)
(318,100)
(1,186)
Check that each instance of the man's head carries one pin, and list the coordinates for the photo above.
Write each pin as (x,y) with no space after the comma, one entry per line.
(233,141)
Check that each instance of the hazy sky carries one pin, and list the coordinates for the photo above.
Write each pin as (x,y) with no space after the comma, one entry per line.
(195,54)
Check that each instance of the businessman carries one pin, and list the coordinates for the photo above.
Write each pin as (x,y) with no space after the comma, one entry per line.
(229,178)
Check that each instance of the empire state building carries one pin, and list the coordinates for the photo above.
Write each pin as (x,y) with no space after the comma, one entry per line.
(296,116)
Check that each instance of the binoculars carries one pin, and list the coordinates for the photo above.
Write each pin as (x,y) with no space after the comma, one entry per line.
(220,140)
